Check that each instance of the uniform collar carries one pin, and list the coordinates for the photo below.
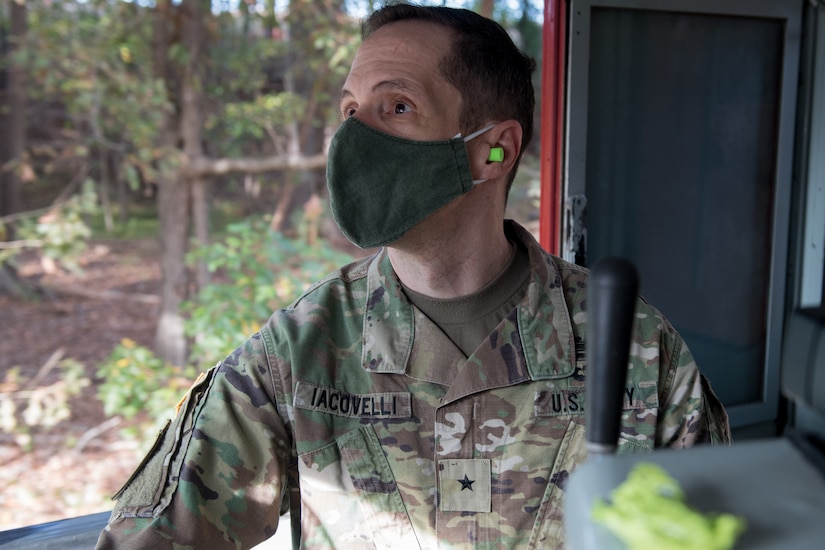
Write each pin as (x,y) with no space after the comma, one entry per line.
(543,345)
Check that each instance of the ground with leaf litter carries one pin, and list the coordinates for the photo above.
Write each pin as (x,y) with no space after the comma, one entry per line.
(72,468)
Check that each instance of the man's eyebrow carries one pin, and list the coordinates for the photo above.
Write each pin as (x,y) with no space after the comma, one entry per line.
(401,84)
(398,84)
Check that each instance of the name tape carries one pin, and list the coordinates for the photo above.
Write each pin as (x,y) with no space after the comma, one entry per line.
(352,405)
(572,401)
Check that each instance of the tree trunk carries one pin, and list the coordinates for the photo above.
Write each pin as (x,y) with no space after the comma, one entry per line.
(192,117)
(306,135)
(170,341)
(173,211)
(486,8)
(200,219)
(13,126)
(4,117)
(12,137)
(105,187)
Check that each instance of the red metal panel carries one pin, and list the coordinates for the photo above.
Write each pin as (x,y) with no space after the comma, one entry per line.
(552,123)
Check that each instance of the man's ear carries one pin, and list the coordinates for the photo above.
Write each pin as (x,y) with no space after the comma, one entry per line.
(495,152)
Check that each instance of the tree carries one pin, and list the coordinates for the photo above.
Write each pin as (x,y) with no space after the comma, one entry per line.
(187,188)
(177,99)
(91,115)
(127,93)
(172,197)
(12,130)
(194,40)
(310,29)
(13,111)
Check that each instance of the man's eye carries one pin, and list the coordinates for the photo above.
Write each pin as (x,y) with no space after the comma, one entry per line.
(401,108)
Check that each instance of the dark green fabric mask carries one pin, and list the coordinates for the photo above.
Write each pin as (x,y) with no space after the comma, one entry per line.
(380,186)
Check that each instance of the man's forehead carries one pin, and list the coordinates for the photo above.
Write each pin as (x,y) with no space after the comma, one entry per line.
(399,54)
(409,36)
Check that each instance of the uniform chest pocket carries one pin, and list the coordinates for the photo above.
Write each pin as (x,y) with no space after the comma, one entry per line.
(354,474)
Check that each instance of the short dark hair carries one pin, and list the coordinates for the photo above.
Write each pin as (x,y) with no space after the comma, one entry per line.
(492,75)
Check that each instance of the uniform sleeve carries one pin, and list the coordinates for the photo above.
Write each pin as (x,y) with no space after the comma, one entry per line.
(217,473)
(690,413)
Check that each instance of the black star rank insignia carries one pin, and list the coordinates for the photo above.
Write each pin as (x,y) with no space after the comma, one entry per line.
(466,483)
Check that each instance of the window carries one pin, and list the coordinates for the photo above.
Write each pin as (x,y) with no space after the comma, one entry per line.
(680,138)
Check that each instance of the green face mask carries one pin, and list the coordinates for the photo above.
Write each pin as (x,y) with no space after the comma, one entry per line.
(380,186)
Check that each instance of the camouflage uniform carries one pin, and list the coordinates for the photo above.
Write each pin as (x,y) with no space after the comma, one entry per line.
(399,440)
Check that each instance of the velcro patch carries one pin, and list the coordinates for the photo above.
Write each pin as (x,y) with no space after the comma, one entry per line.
(558,402)
(464,485)
(571,401)
(352,405)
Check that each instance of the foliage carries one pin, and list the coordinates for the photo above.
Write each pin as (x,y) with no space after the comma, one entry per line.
(264,118)
(136,382)
(242,61)
(246,112)
(94,59)
(261,270)
(60,233)
(274,75)
(104,113)
(99,107)
(325,43)
(141,223)
(524,198)
(24,404)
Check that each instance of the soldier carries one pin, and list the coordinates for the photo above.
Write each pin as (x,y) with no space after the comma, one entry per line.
(431,396)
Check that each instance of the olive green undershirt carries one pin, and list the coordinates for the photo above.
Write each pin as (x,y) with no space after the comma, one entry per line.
(468,320)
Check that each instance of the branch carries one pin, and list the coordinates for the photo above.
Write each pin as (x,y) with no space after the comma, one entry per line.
(29,243)
(50,363)
(62,198)
(104,295)
(215,167)
(92,433)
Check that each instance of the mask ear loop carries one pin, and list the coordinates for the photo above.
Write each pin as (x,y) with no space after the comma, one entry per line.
(473,136)
(476,133)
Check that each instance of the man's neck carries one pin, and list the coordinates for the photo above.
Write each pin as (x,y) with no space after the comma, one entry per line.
(453,265)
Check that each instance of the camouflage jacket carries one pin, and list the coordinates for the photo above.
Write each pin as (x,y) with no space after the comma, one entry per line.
(398,439)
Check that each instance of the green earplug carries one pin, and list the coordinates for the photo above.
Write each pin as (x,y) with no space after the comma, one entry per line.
(496,154)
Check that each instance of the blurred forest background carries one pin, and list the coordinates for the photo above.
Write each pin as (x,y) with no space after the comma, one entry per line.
(161,193)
